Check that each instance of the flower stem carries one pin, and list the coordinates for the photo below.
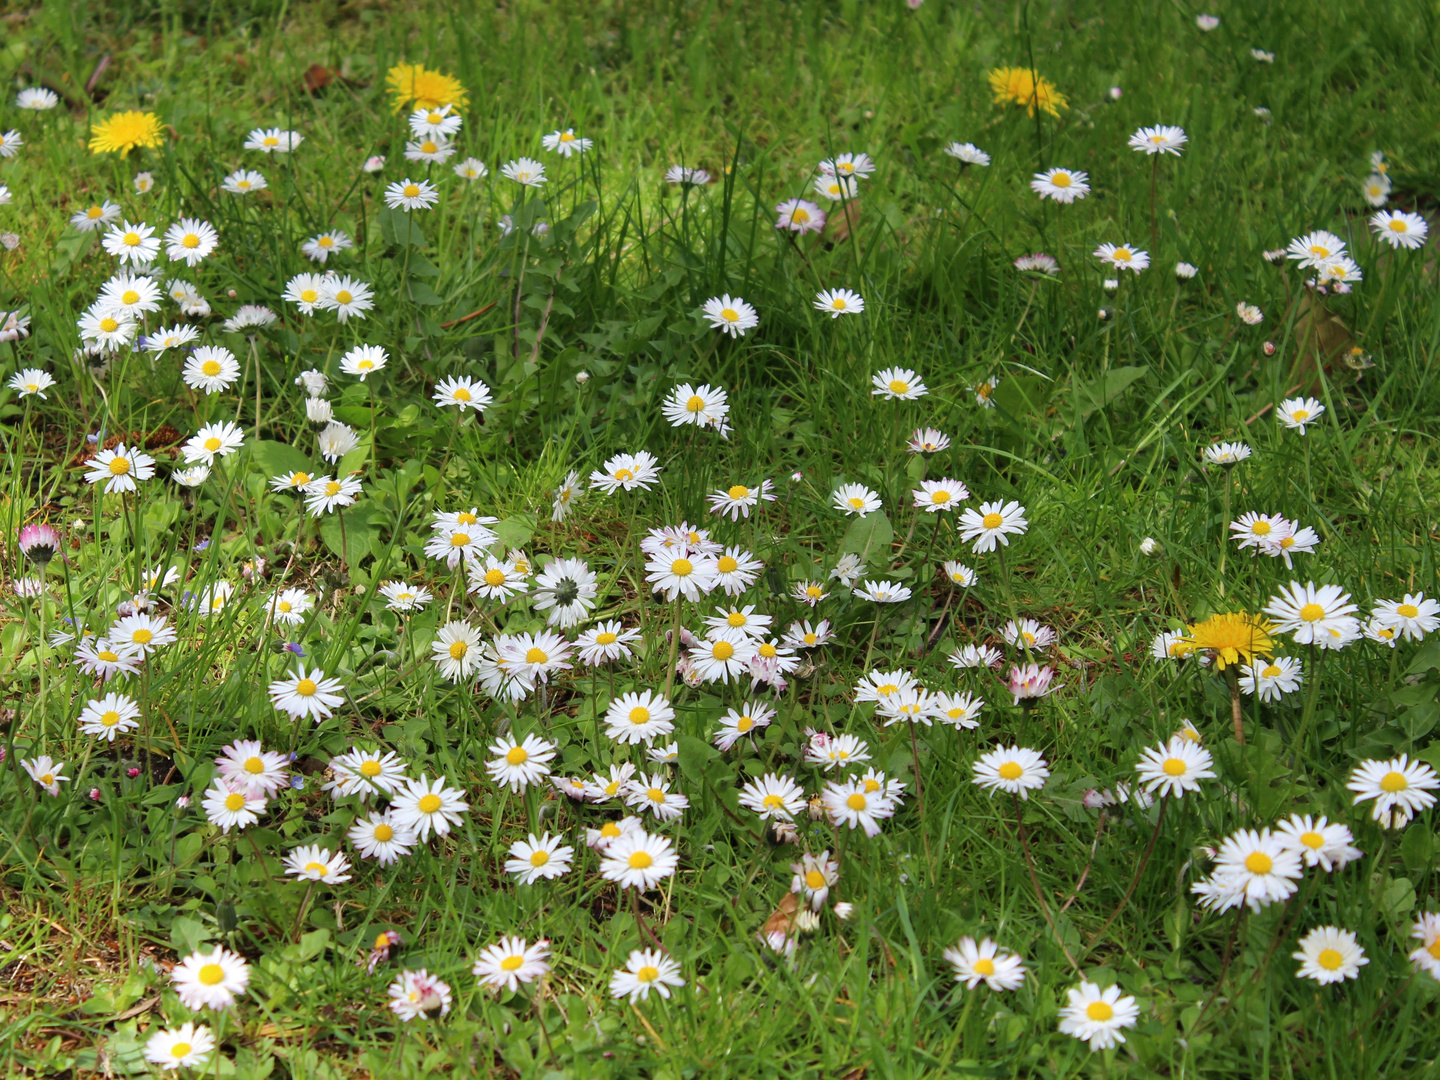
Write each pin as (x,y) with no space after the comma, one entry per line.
(1139,870)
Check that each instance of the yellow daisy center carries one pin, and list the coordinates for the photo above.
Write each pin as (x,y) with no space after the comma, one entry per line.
(190,240)
(411,190)
(695,403)
(95,212)
(641,860)
(992,521)
(1312,840)
(1011,770)
(512,963)
(939,497)
(745,723)
(655,794)
(739,491)
(517,755)
(383,833)
(606,638)
(1257,862)
(428,804)
(984,966)
(320,868)
(108,656)
(180,1050)
(1407,611)
(899,386)
(722,650)
(211,974)
(1392,782)
(1099,1011)
(772,802)
(211,368)
(539,858)
(370,768)
(1270,672)
(639,715)
(1300,415)
(729,314)
(212,444)
(458,649)
(109,325)
(461,394)
(1329,959)
(856,801)
(344,296)
(306,687)
(254,766)
(1174,767)
(814,592)
(234,801)
(119,466)
(1312,613)
(682,568)
(1060,180)
(131,239)
(1261,528)
(814,879)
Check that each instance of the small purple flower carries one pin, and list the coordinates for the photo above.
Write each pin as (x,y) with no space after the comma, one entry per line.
(94,794)
(132,772)
(294,647)
(297,782)
(201,546)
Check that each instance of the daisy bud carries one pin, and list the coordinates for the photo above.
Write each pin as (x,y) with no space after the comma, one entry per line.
(39,543)
(1102,314)
(1149,546)
(582,377)
(844,910)
(1269,348)
(374,164)
(183,802)
(132,772)
(1111,284)
(232,294)
(1116,93)
(94,794)
(318,411)
(806,922)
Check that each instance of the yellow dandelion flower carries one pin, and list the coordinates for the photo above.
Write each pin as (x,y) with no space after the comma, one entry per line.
(1231,638)
(124,131)
(1022,86)
(427,89)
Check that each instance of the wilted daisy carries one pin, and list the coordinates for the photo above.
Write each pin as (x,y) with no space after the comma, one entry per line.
(307,694)
(1062,185)
(422,806)
(211,368)
(837,302)
(1249,314)
(410,195)
(1161,139)
(1317,841)
(1175,768)
(645,970)
(311,862)
(46,772)
(1096,1016)
(213,441)
(512,961)
(1400,788)
(244,182)
(1329,955)
(110,715)
(1017,770)
(119,468)
(627,471)
(731,314)
(986,962)
(210,980)
(414,994)
(1123,256)
(993,522)
(187,1046)
(565,143)
(519,763)
(532,859)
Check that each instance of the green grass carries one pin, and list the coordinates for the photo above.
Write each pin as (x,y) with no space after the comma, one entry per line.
(1098,430)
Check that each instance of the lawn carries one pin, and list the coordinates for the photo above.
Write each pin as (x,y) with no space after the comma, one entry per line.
(736,540)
